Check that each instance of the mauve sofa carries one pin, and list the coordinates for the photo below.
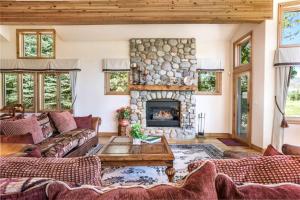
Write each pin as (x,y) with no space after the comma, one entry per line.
(202,183)
(73,143)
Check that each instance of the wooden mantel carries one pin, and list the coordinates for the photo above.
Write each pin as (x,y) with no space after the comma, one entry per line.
(88,12)
(162,87)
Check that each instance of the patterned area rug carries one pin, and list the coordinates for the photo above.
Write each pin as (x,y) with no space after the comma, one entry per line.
(184,154)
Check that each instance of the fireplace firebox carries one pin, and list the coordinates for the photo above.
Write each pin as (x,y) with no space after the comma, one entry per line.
(163,113)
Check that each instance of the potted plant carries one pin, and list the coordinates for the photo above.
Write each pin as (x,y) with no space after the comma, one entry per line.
(123,115)
(136,134)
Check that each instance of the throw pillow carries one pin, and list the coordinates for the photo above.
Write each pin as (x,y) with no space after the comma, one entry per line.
(271,151)
(33,151)
(63,121)
(79,170)
(197,185)
(45,124)
(23,188)
(226,189)
(290,149)
(84,122)
(22,127)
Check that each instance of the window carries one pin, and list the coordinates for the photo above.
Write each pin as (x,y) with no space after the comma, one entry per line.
(38,91)
(34,43)
(116,83)
(209,82)
(289,24)
(292,108)
(243,48)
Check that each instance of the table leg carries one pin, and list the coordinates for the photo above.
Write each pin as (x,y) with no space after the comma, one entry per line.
(170,171)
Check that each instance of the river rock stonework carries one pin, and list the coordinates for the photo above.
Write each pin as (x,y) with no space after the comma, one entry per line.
(164,61)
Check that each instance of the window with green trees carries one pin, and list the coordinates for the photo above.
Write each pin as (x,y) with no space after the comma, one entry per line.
(116,83)
(56,93)
(289,24)
(292,108)
(243,51)
(209,82)
(33,43)
(52,92)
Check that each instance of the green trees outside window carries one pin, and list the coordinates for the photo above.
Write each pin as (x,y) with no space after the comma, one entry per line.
(292,108)
(28,90)
(116,82)
(34,43)
(10,88)
(245,53)
(209,82)
(52,92)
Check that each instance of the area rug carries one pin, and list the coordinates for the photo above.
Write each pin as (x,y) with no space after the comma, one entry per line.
(231,142)
(184,154)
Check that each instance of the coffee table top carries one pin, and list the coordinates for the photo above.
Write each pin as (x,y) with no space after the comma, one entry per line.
(121,149)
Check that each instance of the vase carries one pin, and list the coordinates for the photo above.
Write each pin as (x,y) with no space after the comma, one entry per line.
(123,122)
(136,141)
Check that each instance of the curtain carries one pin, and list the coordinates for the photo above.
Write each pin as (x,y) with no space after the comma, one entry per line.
(73,79)
(115,64)
(210,64)
(282,76)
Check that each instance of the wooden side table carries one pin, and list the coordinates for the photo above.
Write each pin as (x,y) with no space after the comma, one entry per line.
(8,149)
(123,130)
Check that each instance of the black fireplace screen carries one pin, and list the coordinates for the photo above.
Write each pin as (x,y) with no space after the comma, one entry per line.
(163,113)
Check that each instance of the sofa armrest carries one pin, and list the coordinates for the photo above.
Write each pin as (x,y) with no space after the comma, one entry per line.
(96,122)
(288,149)
(18,139)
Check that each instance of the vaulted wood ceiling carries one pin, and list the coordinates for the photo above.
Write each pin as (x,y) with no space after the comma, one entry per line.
(134,11)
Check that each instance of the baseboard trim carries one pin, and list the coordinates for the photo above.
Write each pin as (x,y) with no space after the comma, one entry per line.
(257,148)
(218,135)
(107,134)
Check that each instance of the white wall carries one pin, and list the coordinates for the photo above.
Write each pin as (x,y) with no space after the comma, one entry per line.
(212,42)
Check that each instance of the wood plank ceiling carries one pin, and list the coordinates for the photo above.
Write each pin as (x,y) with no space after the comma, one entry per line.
(74,12)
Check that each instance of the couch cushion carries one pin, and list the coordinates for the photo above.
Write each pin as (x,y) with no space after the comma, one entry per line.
(288,149)
(226,189)
(23,127)
(45,124)
(84,122)
(271,151)
(23,188)
(81,170)
(19,139)
(263,170)
(61,144)
(198,185)
(63,121)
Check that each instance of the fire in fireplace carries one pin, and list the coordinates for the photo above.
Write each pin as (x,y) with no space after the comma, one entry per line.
(163,113)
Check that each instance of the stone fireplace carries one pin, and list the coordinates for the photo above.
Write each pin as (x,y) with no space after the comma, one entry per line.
(160,99)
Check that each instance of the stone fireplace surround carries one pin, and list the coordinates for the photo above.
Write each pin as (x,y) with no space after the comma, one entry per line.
(164,62)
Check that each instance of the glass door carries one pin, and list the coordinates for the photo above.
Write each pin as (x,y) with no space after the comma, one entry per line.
(242,110)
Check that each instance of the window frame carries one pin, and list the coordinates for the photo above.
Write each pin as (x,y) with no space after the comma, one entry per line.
(236,53)
(38,32)
(287,6)
(107,84)
(218,90)
(38,91)
(58,92)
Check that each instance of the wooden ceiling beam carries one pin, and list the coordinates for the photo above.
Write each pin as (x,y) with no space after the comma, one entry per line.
(134,11)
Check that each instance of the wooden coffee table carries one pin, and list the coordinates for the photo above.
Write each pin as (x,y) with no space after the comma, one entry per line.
(120,151)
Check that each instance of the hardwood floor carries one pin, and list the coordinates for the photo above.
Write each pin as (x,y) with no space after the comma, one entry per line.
(204,140)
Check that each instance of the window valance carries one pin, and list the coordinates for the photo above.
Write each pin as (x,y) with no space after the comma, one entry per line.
(115,64)
(287,56)
(209,64)
(38,65)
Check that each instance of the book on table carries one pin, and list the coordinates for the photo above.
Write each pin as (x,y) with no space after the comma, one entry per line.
(152,139)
